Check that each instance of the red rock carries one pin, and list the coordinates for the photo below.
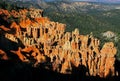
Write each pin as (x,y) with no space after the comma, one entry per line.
(4,28)
(3,55)
(20,55)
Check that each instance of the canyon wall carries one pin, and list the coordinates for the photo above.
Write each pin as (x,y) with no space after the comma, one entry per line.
(40,40)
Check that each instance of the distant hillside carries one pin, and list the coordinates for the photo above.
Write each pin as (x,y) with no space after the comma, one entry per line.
(64,5)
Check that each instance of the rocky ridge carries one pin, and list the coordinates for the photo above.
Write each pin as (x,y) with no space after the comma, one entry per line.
(37,40)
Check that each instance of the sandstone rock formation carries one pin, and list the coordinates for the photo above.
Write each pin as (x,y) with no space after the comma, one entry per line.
(43,39)
(3,55)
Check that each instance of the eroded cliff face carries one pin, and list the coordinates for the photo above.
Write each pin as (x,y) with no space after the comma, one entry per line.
(36,39)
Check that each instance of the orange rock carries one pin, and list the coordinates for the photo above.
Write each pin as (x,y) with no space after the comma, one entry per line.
(3,55)
(20,55)
(66,66)
(108,52)
(14,13)
(43,38)
(25,23)
(35,53)
(5,12)
(23,13)
(75,59)
(16,27)
(41,20)
(4,28)
(27,49)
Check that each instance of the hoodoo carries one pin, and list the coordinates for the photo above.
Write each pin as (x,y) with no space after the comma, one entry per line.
(37,38)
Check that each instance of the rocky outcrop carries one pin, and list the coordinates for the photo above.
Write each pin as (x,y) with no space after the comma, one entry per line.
(43,39)
(3,55)
(35,13)
(107,59)
(109,34)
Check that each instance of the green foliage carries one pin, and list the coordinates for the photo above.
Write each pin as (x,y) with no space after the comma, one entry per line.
(86,22)
(8,5)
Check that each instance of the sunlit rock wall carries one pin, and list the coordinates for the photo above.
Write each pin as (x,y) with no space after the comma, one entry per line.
(43,39)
